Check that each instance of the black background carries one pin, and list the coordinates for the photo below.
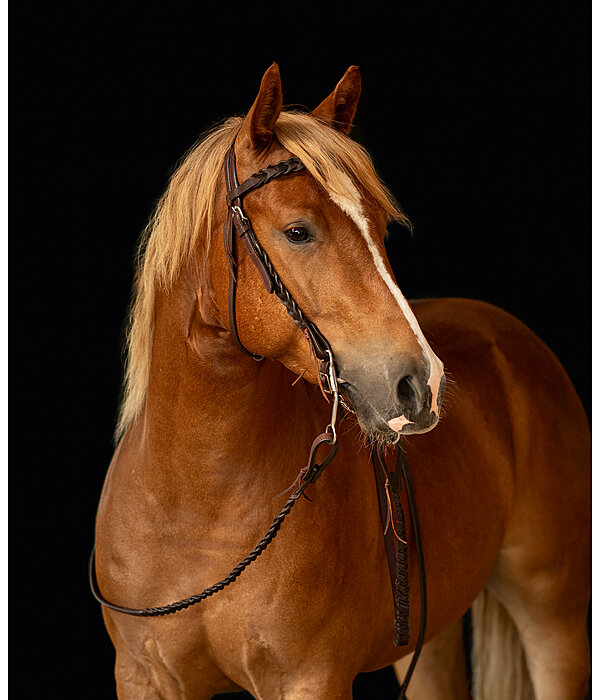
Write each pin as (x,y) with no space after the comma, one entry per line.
(476,116)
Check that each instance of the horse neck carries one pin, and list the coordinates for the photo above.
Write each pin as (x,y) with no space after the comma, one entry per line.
(216,419)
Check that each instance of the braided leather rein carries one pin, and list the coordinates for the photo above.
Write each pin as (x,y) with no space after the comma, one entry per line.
(310,476)
(238,222)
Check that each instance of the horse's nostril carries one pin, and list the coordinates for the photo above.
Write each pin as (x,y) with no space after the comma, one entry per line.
(406,389)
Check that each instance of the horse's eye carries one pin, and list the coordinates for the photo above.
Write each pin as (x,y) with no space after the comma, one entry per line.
(297,234)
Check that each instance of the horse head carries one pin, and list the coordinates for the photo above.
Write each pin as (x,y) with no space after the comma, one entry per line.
(323,229)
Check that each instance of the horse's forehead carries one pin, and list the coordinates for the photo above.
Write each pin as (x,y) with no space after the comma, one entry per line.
(303,192)
(355,205)
(351,202)
(348,198)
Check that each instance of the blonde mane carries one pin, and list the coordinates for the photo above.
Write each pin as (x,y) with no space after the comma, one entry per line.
(182,222)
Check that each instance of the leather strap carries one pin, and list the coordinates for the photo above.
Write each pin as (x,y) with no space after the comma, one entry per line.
(381,473)
(231,254)
(312,471)
(402,474)
(416,527)
(260,178)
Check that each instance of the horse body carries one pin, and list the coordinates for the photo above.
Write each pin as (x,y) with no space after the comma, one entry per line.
(195,480)
(318,601)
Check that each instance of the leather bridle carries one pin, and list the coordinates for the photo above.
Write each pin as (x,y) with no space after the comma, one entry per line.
(238,222)
(388,484)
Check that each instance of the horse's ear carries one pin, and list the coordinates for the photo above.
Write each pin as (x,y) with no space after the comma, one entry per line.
(260,120)
(339,108)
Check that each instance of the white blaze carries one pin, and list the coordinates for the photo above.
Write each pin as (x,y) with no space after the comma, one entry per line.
(349,205)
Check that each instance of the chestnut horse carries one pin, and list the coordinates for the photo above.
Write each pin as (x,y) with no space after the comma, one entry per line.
(209,437)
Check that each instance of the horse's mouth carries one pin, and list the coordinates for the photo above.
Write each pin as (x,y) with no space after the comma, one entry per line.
(385,424)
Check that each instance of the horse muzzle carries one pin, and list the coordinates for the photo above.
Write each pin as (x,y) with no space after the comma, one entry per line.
(388,405)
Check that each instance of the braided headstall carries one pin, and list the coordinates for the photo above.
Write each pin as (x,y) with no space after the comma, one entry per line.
(238,223)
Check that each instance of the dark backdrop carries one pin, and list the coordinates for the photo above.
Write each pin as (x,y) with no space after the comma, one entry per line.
(476,116)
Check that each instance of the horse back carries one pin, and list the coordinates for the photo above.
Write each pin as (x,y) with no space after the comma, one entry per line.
(507,371)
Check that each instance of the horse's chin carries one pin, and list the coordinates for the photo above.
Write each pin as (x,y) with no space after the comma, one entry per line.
(374,424)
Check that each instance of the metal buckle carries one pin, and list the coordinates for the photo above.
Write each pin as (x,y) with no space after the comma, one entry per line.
(329,378)
(326,382)
(333,389)
(240,214)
